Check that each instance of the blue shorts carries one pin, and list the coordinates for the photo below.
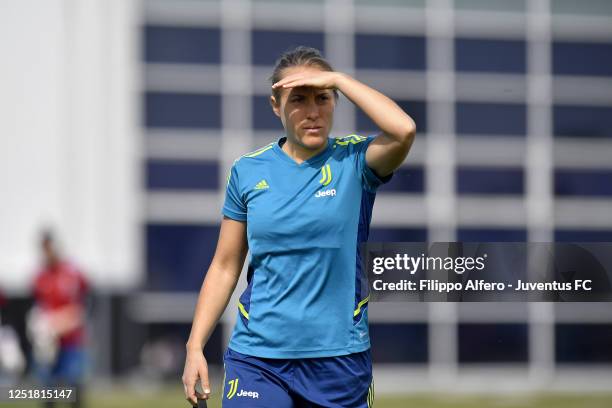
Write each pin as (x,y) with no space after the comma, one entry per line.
(68,368)
(253,382)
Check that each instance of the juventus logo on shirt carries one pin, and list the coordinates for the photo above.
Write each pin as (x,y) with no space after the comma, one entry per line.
(326,175)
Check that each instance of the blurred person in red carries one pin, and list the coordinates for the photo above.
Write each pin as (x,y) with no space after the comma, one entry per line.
(56,324)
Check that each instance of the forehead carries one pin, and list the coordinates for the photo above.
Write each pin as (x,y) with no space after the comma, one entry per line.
(300,69)
(304,91)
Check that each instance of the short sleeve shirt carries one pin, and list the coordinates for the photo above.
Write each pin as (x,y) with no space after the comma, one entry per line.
(306,294)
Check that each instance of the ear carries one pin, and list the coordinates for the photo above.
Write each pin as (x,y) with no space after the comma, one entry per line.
(275,106)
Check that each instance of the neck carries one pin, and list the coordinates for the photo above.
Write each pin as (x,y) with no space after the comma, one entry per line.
(52,263)
(300,153)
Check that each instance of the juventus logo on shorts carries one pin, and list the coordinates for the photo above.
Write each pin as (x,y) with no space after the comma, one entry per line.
(233,386)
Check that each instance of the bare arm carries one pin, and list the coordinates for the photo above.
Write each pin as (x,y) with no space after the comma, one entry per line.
(215,293)
(67,318)
(387,152)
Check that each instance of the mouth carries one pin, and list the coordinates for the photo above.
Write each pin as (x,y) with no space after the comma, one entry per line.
(313,128)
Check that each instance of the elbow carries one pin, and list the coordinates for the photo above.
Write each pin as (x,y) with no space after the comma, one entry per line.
(229,273)
(407,133)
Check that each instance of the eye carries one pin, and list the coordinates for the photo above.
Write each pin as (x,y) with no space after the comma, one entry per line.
(296,98)
(324,97)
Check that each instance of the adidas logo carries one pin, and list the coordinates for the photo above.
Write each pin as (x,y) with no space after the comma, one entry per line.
(262,185)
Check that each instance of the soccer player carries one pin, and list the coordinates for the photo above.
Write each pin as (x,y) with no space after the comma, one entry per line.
(302,205)
(57,323)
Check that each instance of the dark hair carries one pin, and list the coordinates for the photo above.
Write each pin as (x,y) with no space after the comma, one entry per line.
(298,56)
(46,236)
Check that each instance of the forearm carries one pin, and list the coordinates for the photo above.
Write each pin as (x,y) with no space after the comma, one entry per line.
(385,113)
(214,296)
(67,319)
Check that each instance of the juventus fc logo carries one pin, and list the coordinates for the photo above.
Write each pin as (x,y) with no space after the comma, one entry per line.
(326,175)
(233,386)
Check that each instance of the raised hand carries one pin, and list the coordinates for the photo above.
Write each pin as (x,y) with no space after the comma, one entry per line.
(314,78)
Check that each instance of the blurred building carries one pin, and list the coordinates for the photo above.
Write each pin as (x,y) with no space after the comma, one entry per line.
(513,103)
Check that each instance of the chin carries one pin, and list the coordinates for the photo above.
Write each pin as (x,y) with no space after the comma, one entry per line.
(314,141)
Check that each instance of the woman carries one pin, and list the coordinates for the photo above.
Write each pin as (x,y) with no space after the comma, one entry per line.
(302,205)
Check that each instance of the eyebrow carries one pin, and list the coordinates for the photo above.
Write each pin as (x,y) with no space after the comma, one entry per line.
(302,93)
(297,91)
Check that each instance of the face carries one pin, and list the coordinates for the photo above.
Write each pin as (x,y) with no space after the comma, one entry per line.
(307,113)
(48,250)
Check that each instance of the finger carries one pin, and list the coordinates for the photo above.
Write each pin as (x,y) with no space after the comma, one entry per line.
(196,396)
(193,400)
(279,84)
(190,394)
(296,84)
(205,384)
(306,82)
(289,78)
(292,77)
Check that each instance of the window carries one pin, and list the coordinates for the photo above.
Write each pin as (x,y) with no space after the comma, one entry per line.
(416,109)
(382,51)
(491,235)
(378,234)
(406,179)
(582,121)
(177,255)
(583,343)
(479,55)
(487,343)
(268,45)
(583,182)
(182,175)
(389,343)
(194,45)
(479,118)
(490,180)
(580,58)
(182,110)
(565,235)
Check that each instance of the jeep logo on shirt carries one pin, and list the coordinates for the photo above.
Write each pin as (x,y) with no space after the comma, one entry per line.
(324,193)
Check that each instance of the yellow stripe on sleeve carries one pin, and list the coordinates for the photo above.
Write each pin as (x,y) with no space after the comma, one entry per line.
(360,305)
(260,151)
(243,310)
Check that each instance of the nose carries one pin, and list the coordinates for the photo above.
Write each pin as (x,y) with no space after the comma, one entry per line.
(312,110)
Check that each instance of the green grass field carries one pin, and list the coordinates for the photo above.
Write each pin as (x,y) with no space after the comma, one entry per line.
(166,397)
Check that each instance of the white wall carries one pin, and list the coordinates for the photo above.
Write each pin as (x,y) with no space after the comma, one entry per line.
(69,139)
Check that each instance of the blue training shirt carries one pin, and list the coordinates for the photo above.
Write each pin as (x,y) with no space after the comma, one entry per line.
(307,295)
